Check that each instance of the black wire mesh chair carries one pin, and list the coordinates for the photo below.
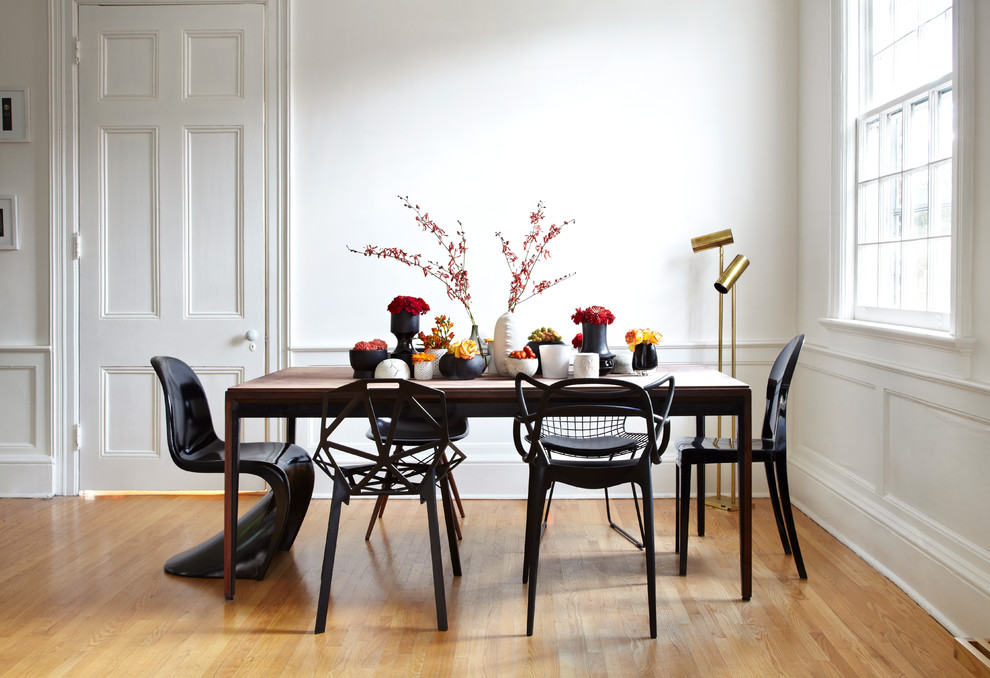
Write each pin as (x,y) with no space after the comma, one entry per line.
(559,436)
(595,462)
(389,469)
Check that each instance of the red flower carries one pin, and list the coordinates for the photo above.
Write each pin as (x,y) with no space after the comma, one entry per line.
(373,345)
(414,305)
(593,315)
(577,340)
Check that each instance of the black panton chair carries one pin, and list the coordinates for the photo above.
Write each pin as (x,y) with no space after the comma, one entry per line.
(390,468)
(270,525)
(591,462)
(770,448)
(409,433)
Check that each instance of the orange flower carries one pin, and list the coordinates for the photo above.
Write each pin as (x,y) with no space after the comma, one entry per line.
(642,336)
(423,357)
(465,350)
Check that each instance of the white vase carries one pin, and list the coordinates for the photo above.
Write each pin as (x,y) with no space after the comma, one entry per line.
(424,371)
(508,338)
(438,352)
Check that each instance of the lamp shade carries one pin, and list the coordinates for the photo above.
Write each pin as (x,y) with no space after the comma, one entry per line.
(732,273)
(710,240)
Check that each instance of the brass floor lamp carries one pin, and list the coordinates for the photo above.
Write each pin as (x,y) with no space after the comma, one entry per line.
(727,278)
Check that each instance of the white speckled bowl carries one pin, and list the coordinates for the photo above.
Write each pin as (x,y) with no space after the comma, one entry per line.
(525,365)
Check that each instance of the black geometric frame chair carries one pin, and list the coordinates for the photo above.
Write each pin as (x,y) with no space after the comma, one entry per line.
(588,462)
(391,468)
(770,448)
(270,525)
(411,432)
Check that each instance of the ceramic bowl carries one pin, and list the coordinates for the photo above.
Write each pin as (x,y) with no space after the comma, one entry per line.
(527,366)
(365,362)
(393,368)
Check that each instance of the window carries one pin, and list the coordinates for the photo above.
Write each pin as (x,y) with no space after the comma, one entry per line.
(904,193)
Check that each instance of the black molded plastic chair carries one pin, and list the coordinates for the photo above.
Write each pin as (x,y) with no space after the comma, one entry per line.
(411,432)
(770,448)
(391,468)
(270,525)
(590,462)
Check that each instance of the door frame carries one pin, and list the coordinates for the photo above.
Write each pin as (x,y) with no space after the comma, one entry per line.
(63,21)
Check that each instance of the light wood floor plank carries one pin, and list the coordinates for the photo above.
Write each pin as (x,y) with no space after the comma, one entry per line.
(82,593)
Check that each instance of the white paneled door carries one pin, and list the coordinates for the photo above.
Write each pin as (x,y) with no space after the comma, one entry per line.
(171,222)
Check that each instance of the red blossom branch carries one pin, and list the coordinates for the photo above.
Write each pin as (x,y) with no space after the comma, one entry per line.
(534,249)
(453,274)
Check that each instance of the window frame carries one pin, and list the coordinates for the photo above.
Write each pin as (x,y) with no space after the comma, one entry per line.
(847,87)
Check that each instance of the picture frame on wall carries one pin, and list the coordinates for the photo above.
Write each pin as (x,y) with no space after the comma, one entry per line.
(14,118)
(8,222)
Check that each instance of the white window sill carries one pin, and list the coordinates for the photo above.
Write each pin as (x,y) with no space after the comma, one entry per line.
(941,341)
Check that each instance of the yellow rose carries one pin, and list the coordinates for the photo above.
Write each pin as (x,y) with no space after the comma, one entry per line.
(465,350)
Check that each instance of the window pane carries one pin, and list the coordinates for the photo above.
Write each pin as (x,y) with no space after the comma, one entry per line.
(883,77)
(917,194)
(866,278)
(905,17)
(939,275)
(890,208)
(943,134)
(914,268)
(930,8)
(906,76)
(893,145)
(883,24)
(941,208)
(917,151)
(935,48)
(869,152)
(889,276)
(869,213)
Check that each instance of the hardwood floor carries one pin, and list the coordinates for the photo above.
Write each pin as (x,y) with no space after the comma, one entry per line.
(82,593)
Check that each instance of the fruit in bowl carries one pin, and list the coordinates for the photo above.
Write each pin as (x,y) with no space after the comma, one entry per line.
(523,360)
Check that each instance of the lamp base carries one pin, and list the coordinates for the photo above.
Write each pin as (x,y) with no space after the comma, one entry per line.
(722,503)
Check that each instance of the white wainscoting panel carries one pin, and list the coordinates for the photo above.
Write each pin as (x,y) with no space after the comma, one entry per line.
(913,500)
(26,462)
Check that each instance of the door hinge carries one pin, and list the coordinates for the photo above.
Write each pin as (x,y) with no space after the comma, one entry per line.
(78,50)
(76,437)
(77,245)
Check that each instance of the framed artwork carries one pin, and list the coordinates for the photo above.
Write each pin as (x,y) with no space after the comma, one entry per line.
(8,222)
(14,114)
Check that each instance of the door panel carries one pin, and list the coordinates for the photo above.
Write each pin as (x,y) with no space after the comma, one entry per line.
(171,217)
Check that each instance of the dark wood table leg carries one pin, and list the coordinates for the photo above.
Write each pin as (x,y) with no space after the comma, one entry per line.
(230,473)
(746,496)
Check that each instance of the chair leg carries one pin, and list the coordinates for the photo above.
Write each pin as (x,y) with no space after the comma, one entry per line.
(457,497)
(701,499)
(639,517)
(650,548)
(685,505)
(546,516)
(775,503)
(537,493)
(450,522)
(534,516)
(333,527)
(428,495)
(677,507)
(375,513)
(785,500)
(300,479)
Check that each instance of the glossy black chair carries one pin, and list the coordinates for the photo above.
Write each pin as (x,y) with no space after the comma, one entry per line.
(391,468)
(596,462)
(770,448)
(270,525)
(412,432)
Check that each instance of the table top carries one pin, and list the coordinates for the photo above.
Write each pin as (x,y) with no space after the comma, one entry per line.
(298,384)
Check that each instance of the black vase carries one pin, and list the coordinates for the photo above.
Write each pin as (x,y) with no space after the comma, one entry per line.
(365,362)
(644,358)
(405,327)
(453,367)
(535,345)
(593,340)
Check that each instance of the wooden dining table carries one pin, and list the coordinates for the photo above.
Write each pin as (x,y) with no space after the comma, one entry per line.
(298,392)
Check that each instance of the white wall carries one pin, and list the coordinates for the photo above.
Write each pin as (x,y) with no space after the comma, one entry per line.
(893,447)
(25,354)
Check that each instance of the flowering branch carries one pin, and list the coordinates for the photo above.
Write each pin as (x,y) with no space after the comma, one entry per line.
(453,274)
(534,249)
